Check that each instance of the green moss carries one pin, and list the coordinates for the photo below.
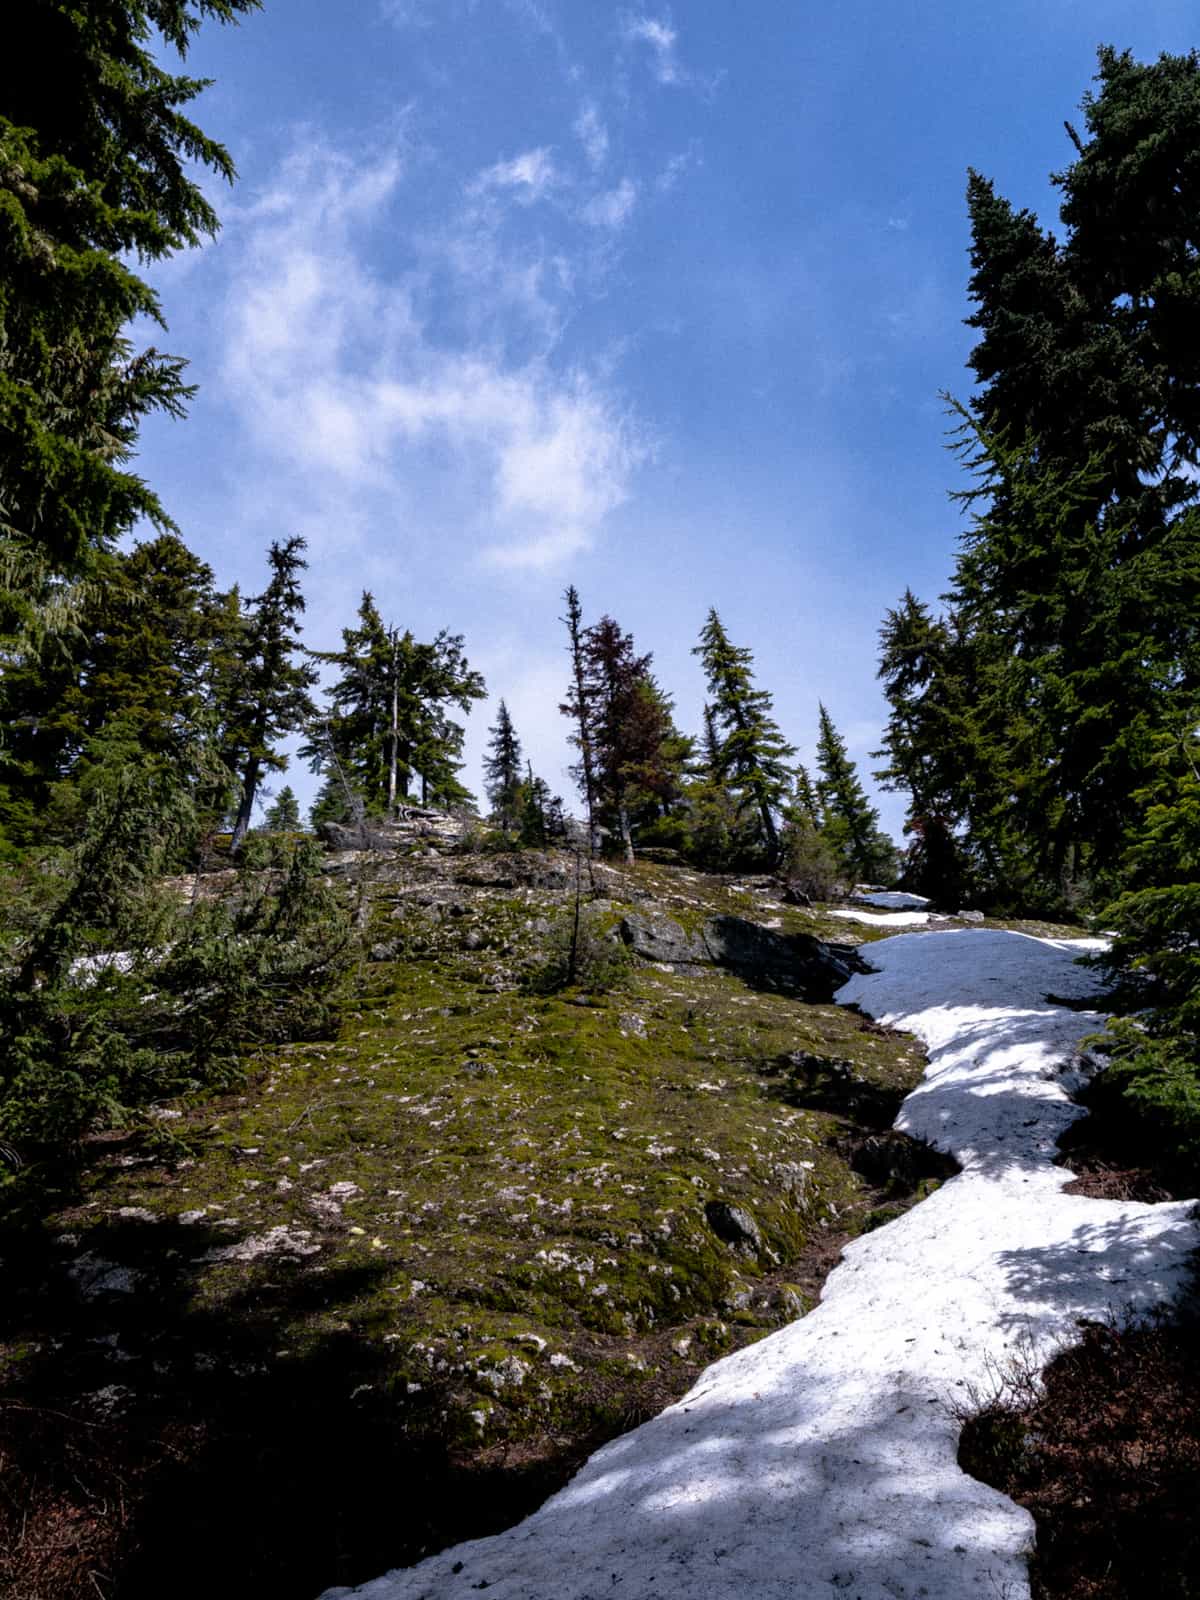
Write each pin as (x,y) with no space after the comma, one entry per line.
(489,1179)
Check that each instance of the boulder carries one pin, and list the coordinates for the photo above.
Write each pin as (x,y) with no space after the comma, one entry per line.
(762,956)
(659,938)
(734,1225)
(779,960)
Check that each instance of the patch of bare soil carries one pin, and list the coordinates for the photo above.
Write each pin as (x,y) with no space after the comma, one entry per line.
(1114,1160)
(1107,1459)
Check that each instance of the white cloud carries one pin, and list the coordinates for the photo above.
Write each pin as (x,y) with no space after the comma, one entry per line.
(351,403)
(661,38)
(532,174)
(612,208)
(592,134)
(676,166)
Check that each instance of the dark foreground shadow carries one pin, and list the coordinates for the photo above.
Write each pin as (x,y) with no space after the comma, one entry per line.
(157,1442)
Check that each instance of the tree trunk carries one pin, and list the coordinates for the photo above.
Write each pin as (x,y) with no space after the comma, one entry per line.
(626,836)
(241,825)
(772,833)
(395,734)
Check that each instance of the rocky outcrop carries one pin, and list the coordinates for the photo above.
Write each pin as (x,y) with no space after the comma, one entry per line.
(760,955)
(659,938)
(415,825)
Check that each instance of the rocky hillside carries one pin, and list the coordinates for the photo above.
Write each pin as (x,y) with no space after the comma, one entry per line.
(391,1293)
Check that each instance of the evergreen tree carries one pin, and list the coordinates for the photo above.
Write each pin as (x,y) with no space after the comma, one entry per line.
(94,159)
(751,754)
(805,805)
(928,737)
(1157,1054)
(849,823)
(576,706)
(502,771)
(387,721)
(657,775)
(140,671)
(1075,645)
(268,692)
(625,722)
(718,836)
(536,810)
(283,814)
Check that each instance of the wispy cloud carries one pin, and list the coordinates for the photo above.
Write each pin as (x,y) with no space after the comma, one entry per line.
(351,402)
(661,38)
(676,166)
(592,134)
(532,174)
(613,208)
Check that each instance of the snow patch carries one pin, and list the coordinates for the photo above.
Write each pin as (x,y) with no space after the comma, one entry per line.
(820,1462)
(890,899)
(885,919)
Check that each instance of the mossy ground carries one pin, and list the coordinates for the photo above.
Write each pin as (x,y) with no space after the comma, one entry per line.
(394,1290)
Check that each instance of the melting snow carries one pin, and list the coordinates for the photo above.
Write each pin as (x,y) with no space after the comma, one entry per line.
(885,919)
(820,1462)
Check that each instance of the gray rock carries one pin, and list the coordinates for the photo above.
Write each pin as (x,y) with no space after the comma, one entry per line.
(734,1225)
(415,825)
(970,916)
(779,960)
(795,962)
(662,939)
(630,1023)
(792,1180)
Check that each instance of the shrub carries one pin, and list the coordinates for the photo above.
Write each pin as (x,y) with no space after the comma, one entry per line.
(583,952)
(807,864)
(117,995)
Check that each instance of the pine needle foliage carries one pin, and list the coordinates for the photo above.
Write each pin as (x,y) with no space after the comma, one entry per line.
(117,994)
(749,754)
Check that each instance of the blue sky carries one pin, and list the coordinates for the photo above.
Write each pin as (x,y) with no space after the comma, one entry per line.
(658,301)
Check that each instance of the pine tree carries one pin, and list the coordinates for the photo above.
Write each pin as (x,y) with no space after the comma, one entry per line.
(1157,1053)
(283,814)
(140,671)
(804,797)
(502,771)
(1072,635)
(849,823)
(269,683)
(751,755)
(927,744)
(577,707)
(625,723)
(94,159)
(536,810)
(387,721)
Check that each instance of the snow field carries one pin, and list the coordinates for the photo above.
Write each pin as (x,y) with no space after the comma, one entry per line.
(820,1462)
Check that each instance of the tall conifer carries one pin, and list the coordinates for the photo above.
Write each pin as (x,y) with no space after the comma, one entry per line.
(502,771)
(269,692)
(849,822)
(749,750)
(578,708)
